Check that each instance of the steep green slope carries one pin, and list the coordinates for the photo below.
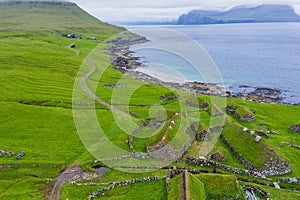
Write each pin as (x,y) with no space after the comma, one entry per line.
(49,17)
(37,73)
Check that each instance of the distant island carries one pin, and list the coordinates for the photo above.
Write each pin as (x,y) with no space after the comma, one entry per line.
(238,14)
(241,14)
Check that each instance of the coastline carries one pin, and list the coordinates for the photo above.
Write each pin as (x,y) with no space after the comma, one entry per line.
(122,59)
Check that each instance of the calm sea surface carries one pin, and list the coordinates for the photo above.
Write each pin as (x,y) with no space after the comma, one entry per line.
(255,55)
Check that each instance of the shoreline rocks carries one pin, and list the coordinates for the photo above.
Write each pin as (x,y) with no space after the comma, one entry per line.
(122,60)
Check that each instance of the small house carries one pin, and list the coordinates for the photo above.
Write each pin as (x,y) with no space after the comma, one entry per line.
(71,36)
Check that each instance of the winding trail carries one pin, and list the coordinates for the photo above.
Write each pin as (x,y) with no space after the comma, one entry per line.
(72,171)
(89,91)
(97,98)
(64,176)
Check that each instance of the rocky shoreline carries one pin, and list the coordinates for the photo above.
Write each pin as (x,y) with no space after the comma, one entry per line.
(122,59)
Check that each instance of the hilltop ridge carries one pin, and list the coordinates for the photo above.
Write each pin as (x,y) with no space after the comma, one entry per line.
(53,16)
(242,14)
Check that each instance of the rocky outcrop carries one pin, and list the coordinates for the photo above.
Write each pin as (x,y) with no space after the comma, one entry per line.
(120,53)
(193,88)
(295,128)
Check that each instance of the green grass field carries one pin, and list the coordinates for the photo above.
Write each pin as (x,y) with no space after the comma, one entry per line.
(196,188)
(220,186)
(38,73)
(176,187)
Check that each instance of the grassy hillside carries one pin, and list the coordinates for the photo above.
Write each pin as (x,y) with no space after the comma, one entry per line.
(219,186)
(38,72)
(49,17)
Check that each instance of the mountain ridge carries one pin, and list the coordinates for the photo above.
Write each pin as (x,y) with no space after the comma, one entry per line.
(49,16)
(241,14)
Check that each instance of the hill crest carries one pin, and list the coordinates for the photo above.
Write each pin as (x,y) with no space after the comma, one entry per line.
(49,16)
(242,14)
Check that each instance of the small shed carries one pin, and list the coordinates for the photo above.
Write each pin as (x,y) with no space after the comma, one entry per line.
(71,36)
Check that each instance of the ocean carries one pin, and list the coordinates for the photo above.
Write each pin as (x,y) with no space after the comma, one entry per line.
(246,56)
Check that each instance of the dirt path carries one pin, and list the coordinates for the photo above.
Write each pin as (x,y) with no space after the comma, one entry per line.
(186,194)
(94,96)
(68,174)
(71,172)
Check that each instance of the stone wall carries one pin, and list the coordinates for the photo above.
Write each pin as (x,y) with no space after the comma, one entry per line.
(168,179)
(216,128)
(161,144)
(101,192)
(210,163)
(236,154)
(163,97)
(291,145)
(289,180)
(215,111)
(262,133)
(253,188)
(271,169)
(4,166)
(113,159)
(234,110)
(203,105)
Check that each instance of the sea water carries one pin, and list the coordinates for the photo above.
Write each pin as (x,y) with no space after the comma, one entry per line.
(246,55)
